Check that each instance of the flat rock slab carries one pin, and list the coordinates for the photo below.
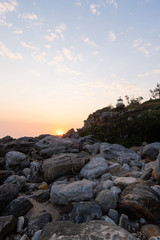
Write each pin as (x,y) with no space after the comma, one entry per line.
(93,230)
(62,194)
(118,152)
(123,182)
(62,164)
(95,168)
(140,200)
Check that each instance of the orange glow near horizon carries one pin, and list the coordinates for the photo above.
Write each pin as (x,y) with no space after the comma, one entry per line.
(59,132)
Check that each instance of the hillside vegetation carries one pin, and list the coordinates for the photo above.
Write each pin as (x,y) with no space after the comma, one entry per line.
(129,126)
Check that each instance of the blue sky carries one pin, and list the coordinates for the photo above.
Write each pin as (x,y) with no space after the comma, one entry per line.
(62,60)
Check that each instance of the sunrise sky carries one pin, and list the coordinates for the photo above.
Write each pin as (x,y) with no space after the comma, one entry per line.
(61,60)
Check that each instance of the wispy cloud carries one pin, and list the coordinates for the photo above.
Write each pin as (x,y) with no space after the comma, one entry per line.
(5,52)
(113,2)
(144,50)
(58,33)
(94,9)
(28,16)
(65,69)
(79,4)
(111,36)
(67,54)
(47,46)
(18,31)
(89,42)
(35,73)
(57,59)
(8,6)
(30,46)
(156,71)
(4,23)
(137,43)
(39,57)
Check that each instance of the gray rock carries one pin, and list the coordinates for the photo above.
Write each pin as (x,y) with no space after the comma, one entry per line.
(38,223)
(42,197)
(96,230)
(106,176)
(83,212)
(113,214)
(108,184)
(95,168)
(7,225)
(117,152)
(123,221)
(20,224)
(107,199)
(63,164)
(155,238)
(125,167)
(27,171)
(116,190)
(19,181)
(150,151)
(8,192)
(14,158)
(24,237)
(63,193)
(36,235)
(36,172)
(18,207)
(107,219)
(123,182)
(49,144)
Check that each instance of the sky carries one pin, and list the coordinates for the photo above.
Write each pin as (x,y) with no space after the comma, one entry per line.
(61,60)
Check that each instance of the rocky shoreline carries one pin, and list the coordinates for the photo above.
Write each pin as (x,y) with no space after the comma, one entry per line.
(77,188)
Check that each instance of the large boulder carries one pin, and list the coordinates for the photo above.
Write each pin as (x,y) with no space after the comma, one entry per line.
(150,151)
(38,223)
(84,231)
(18,207)
(14,159)
(95,168)
(7,225)
(118,153)
(8,192)
(24,145)
(53,145)
(19,181)
(64,193)
(107,199)
(80,212)
(140,200)
(62,164)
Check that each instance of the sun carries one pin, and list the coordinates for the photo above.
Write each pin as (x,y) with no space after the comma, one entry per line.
(59,132)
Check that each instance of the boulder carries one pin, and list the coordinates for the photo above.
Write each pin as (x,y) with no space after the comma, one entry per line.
(42,197)
(82,212)
(38,223)
(107,200)
(53,145)
(23,145)
(123,182)
(150,230)
(7,225)
(36,172)
(62,164)
(140,200)
(14,159)
(118,153)
(18,207)
(64,193)
(150,151)
(8,192)
(95,168)
(19,181)
(85,231)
